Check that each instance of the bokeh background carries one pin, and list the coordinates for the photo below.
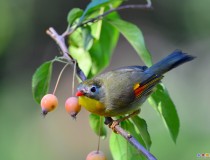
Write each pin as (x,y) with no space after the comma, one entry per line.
(25,135)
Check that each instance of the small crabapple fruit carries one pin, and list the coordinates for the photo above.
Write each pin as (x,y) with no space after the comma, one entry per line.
(72,106)
(96,155)
(48,103)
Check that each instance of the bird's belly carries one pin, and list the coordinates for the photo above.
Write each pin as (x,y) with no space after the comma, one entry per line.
(101,109)
(114,111)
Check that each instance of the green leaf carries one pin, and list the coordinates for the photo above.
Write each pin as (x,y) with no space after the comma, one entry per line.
(83,58)
(161,101)
(120,148)
(73,15)
(87,38)
(80,42)
(142,128)
(76,39)
(133,130)
(134,36)
(96,30)
(81,38)
(97,122)
(41,81)
(96,27)
(102,49)
(116,3)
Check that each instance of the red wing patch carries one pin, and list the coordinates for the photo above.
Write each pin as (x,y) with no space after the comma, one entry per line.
(141,89)
(138,89)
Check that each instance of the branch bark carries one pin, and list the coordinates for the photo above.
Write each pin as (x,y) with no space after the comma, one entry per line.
(134,142)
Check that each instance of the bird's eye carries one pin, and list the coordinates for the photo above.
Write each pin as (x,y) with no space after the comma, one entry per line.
(93,89)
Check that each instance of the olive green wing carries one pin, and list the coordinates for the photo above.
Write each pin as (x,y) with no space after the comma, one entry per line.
(119,86)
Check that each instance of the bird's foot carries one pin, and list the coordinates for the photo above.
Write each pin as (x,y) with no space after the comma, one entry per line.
(113,123)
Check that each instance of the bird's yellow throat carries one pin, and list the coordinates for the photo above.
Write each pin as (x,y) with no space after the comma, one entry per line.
(92,105)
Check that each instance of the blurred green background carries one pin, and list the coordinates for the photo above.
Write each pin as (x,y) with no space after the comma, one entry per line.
(25,135)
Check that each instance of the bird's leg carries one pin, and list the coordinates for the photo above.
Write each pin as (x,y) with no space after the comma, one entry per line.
(117,122)
(128,116)
(112,123)
(108,121)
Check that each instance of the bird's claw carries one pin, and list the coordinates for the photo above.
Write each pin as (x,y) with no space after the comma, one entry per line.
(114,124)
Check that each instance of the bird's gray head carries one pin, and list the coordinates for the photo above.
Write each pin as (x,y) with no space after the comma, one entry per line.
(91,88)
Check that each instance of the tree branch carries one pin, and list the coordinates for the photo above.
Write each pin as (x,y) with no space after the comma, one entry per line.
(134,142)
(60,40)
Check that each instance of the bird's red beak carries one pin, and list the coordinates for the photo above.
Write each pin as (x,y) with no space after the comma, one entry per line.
(79,93)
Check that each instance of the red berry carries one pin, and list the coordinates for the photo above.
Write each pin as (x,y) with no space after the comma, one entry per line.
(48,103)
(96,155)
(72,106)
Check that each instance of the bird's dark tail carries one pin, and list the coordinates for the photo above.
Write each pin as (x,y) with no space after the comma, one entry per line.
(171,61)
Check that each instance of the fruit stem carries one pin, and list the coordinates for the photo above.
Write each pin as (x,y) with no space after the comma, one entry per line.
(74,75)
(59,78)
(99,133)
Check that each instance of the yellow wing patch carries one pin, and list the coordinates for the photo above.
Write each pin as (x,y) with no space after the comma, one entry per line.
(136,86)
(138,89)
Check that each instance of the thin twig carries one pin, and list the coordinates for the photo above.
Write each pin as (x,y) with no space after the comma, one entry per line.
(73,79)
(99,17)
(99,134)
(59,39)
(132,6)
(58,80)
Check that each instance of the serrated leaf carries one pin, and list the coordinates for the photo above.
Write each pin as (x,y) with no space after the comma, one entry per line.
(120,148)
(134,36)
(141,125)
(161,102)
(41,80)
(73,15)
(97,122)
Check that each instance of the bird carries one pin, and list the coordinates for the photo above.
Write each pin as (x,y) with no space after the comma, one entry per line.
(122,91)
